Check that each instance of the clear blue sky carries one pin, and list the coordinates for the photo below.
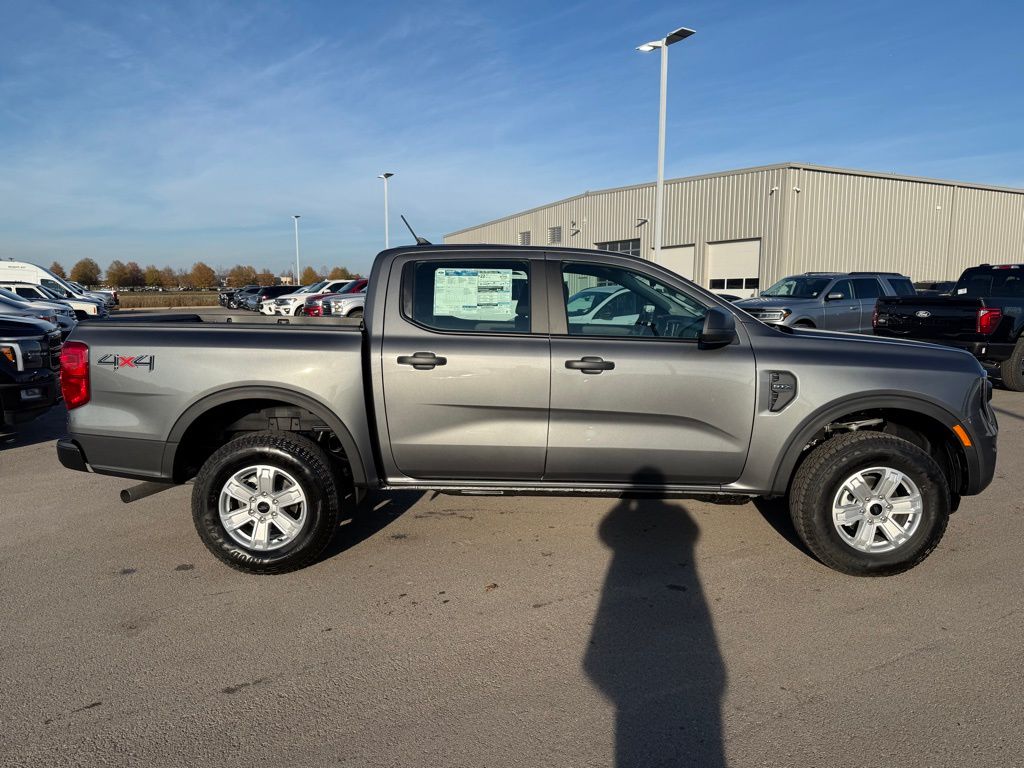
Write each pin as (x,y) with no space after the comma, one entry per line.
(172,132)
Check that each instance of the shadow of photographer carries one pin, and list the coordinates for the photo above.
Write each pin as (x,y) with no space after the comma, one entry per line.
(653,650)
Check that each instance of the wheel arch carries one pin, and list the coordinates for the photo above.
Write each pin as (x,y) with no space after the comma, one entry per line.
(200,412)
(909,412)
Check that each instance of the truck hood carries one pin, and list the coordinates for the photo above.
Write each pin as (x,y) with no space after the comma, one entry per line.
(772,302)
(14,326)
(884,352)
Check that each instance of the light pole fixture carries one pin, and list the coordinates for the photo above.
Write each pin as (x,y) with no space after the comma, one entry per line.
(296,218)
(659,195)
(386,175)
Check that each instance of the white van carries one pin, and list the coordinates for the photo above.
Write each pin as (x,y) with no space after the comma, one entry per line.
(24,272)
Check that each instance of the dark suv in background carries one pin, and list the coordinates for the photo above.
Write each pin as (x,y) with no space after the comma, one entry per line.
(835,301)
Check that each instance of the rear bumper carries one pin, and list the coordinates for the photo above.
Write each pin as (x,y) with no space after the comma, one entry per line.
(117,456)
(984,350)
(988,351)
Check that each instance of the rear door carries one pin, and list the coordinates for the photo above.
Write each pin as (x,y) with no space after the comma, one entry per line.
(638,401)
(867,291)
(465,365)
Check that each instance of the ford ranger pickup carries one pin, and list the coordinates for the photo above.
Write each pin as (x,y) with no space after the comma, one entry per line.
(467,375)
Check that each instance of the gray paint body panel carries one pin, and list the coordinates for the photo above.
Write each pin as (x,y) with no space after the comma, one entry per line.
(699,417)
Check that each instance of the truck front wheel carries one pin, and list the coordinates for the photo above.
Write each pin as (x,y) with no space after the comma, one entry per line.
(1011,370)
(266,502)
(870,504)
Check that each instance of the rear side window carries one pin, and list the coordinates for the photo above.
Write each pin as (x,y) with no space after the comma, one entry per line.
(999,283)
(867,288)
(468,296)
(902,286)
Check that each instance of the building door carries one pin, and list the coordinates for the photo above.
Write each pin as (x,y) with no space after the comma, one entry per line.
(678,258)
(734,267)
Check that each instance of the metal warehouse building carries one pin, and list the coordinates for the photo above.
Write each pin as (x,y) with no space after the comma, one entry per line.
(737,231)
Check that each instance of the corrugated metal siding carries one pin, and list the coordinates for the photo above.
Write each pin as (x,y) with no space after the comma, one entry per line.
(987,227)
(697,211)
(837,220)
(844,223)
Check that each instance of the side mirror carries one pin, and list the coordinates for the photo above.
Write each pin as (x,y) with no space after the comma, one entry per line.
(719,329)
(835,296)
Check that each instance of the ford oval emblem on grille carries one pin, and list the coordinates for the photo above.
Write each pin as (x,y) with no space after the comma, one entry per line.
(923,313)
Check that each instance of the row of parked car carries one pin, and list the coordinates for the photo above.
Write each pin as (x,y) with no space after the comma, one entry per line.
(981,313)
(327,298)
(38,311)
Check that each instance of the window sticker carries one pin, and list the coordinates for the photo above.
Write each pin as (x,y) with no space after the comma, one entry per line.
(480,294)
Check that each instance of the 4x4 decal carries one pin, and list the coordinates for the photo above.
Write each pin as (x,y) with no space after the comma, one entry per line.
(128,361)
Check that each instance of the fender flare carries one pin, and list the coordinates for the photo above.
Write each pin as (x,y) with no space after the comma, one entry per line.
(224,396)
(829,412)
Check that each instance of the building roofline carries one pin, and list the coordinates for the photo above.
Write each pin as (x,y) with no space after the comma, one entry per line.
(753,169)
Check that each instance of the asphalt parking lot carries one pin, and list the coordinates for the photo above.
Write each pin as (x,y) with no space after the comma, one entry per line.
(451,631)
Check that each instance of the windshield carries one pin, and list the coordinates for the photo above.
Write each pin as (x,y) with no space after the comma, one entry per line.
(799,287)
(581,303)
(312,288)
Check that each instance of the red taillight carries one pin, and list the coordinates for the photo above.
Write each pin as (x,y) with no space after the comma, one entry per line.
(874,317)
(988,320)
(74,374)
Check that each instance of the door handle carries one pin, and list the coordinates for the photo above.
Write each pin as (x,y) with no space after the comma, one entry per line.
(590,365)
(422,361)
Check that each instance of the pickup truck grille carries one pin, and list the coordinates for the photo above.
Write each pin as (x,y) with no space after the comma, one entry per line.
(54,343)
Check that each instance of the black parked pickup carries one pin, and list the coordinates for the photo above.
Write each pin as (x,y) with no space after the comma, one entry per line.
(984,315)
(29,368)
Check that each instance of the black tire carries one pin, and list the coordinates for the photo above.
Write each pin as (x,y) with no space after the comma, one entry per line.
(297,311)
(355,313)
(803,324)
(1011,370)
(820,478)
(313,472)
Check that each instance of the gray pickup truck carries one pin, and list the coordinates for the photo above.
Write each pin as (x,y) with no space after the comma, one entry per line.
(467,375)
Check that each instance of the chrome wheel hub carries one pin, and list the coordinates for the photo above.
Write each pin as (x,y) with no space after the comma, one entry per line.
(262,508)
(877,510)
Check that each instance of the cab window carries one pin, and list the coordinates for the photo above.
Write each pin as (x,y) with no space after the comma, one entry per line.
(612,301)
(468,296)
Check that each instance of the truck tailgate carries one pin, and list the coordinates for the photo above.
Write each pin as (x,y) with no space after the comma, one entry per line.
(924,317)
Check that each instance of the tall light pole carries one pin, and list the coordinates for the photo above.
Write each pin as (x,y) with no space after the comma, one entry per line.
(386,175)
(296,218)
(659,195)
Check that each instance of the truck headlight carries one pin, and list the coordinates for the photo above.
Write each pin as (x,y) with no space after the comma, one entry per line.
(774,315)
(12,354)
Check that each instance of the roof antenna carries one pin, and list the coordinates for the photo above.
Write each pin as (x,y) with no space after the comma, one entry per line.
(419,240)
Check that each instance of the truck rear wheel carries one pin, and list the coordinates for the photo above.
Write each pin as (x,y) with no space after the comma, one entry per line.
(870,504)
(266,502)
(1011,370)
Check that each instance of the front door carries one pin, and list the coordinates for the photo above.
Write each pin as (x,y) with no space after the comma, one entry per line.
(639,401)
(842,313)
(465,365)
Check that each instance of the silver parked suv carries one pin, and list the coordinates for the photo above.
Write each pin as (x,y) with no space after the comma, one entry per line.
(835,301)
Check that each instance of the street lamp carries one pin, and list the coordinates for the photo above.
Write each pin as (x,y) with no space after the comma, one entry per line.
(659,195)
(386,175)
(296,217)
